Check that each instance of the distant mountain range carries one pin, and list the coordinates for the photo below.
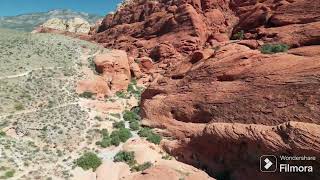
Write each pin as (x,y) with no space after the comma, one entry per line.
(27,22)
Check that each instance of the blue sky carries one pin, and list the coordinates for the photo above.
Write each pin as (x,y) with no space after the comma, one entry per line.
(16,7)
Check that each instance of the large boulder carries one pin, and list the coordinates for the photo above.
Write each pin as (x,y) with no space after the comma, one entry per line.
(114,68)
(75,25)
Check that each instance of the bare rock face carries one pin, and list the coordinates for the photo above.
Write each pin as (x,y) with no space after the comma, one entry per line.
(114,68)
(223,101)
(230,108)
(75,25)
(140,26)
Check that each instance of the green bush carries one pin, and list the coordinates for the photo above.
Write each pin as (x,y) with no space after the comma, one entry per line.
(121,94)
(125,156)
(115,140)
(154,138)
(136,109)
(134,125)
(119,124)
(116,137)
(145,132)
(19,107)
(89,160)
(151,136)
(141,167)
(2,133)
(9,174)
(273,48)
(104,132)
(87,95)
(123,134)
(130,116)
(105,142)
(238,36)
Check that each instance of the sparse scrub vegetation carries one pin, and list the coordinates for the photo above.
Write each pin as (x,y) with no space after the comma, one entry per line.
(273,48)
(238,36)
(119,124)
(141,167)
(127,157)
(131,116)
(151,136)
(87,94)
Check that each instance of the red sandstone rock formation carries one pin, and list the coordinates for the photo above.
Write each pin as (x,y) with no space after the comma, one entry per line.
(223,101)
(114,68)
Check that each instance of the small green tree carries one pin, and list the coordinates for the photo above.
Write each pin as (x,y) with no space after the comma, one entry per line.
(119,124)
(154,138)
(125,156)
(134,125)
(89,160)
(130,116)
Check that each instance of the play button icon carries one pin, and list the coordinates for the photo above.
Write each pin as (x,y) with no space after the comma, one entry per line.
(268,163)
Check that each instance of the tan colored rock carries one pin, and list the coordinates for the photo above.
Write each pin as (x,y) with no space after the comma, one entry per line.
(306,51)
(112,171)
(55,23)
(78,25)
(75,25)
(97,85)
(143,150)
(115,70)
(136,70)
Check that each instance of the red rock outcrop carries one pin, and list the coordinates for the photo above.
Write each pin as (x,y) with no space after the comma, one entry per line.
(223,101)
(114,68)
(141,27)
(242,95)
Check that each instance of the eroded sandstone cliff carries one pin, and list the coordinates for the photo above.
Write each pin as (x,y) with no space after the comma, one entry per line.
(223,101)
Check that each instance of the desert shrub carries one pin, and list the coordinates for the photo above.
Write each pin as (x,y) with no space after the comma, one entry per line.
(154,138)
(141,167)
(105,141)
(123,134)
(118,125)
(273,48)
(104,132)
(125,156)
(9,174)
(166,157)
(18,107)
(145,132)
(2,133)
(121,94)
(238,36)
(136,109)
(98,118)
(115,140)
(116,137)
(151,136)
(87,95)
(134,125)
(130,116)
(89,160)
